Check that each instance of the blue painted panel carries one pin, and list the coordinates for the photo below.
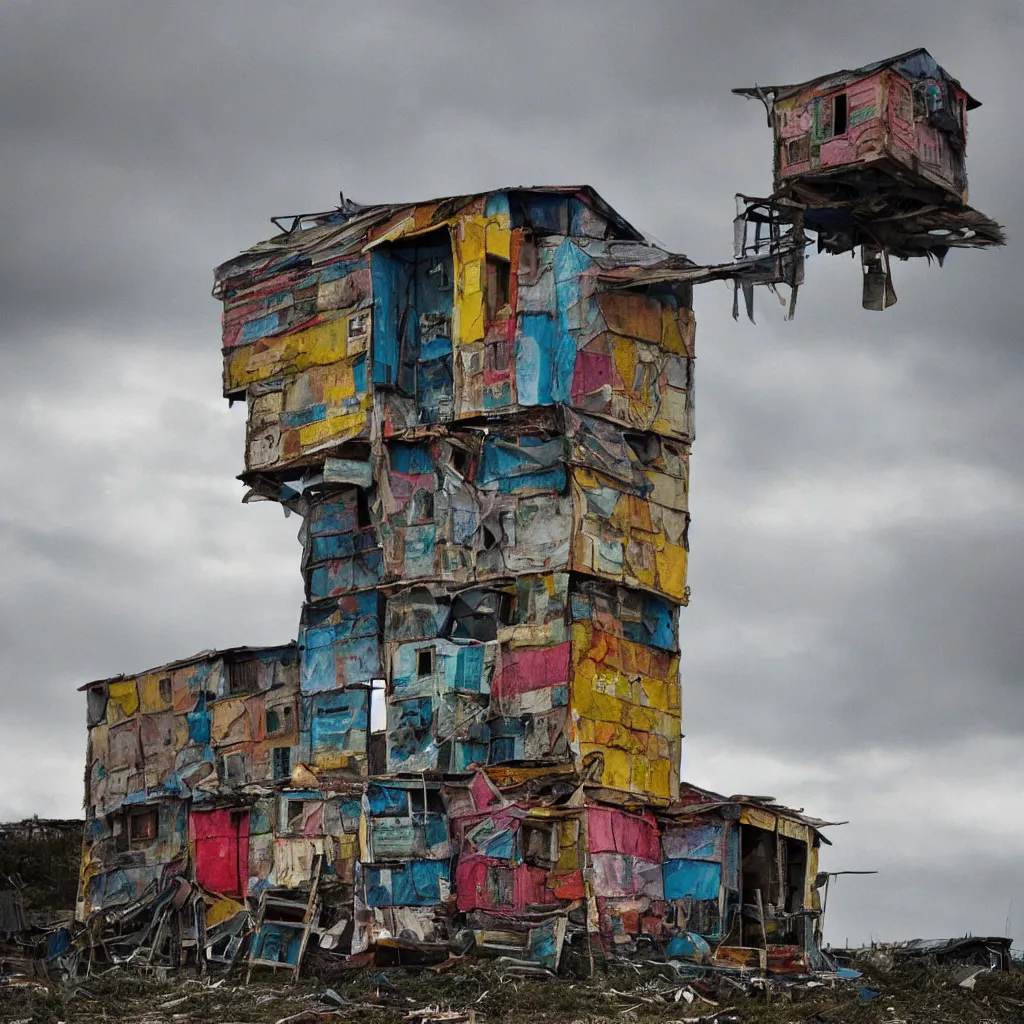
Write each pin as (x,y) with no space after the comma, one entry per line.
(570,263)
(435,348)
(278,942)
(359,376)
(535,347)
(335,714)
(198,726)
(497,204)
(303,417)
(387,801)
(345,575)
(386,275)
(523,466)
(470,753)
(436,829)
(335,516)
(332,545)
(260,328)
(659,622)
(698,879)
(339,663)
(413,884)
(342,268)
(410,459)
(469,668)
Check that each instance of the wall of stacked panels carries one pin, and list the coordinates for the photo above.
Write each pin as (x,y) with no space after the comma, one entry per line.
(486,433)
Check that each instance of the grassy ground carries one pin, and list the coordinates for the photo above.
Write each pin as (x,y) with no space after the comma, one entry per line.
(482,993)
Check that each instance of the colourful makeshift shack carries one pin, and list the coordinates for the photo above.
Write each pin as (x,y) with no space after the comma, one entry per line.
(481,408)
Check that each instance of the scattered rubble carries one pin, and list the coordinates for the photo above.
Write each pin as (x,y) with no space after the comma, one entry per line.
(480,992)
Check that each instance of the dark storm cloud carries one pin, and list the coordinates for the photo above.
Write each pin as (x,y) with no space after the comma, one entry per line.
(857,542)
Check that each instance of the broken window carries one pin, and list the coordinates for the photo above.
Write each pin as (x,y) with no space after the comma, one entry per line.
(282,762)
(425,661)
(243,676)
(363,517)
(164,687)
(538,845)
(498,279)
(426,800)
(460,460)
(294,814)
(500,885)
(798,151)
(422,507)
(143,827)
(839,122)
(232,768)
(279,720)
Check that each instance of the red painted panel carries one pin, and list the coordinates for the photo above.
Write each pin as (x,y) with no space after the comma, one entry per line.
(531,669)
(221,843)
(614,831)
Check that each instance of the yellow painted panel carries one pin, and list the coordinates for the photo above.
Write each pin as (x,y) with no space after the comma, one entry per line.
(229,720)
(98,743)
(678,328)
(149,693)
(499,238)
(617,768)
(794,830)
(122,701)
(267,358)
(661,774)
(333,428)
(758,818)
(671,566)
(329,760)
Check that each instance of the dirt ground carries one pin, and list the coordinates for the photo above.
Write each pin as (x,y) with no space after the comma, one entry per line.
(484,993)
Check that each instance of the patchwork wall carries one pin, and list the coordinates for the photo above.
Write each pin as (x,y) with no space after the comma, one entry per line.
(908,111)
(484,431)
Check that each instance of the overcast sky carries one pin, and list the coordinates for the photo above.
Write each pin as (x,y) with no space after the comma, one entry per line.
(854,643)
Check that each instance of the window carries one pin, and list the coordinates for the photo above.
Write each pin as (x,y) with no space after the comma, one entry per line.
(279,720)
(798,151)
(378,706)
(363,517)
(839,122)
(232,768)
(460,460)
(243,676)
(425,661)
(538,845)
(295,814)
(165,690)
(282,762)
(498,278)
(143,827)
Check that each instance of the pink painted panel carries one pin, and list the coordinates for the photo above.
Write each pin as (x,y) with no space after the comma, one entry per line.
(221,841)
(593,370)
(531,669)
(530,885)
(471,883)
(485,794)
(613,831)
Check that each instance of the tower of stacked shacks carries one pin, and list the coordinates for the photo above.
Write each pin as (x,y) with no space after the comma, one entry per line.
(481,410)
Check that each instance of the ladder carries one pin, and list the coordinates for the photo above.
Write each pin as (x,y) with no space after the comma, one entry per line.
(281,922)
